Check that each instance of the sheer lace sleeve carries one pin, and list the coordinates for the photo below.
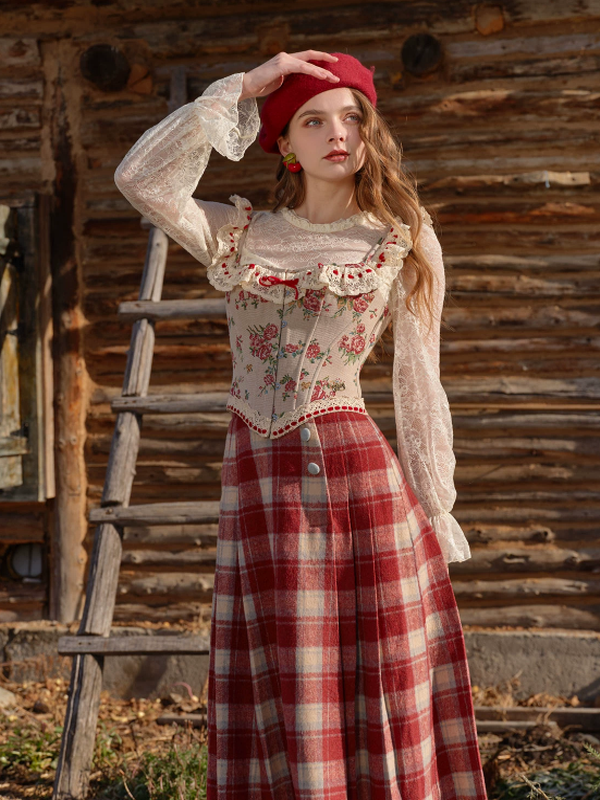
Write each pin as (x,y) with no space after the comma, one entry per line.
(162,169)
(423,421)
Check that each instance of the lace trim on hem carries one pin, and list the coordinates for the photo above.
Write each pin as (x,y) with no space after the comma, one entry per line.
(225,272)
(453,542)
(291,419)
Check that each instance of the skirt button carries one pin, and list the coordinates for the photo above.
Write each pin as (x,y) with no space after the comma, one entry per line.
(305,434)
(313,468)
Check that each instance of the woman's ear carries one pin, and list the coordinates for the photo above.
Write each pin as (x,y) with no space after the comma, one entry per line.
(284,145)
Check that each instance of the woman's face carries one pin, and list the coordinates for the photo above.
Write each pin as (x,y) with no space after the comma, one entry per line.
(329,121)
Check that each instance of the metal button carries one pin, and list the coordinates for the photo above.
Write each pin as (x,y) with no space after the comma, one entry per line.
(313,468)
(305,434)
(274,416)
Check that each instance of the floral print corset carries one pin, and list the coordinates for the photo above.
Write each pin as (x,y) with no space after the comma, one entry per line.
(299,338)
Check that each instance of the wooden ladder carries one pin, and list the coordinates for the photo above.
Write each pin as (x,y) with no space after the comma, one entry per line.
(93,641)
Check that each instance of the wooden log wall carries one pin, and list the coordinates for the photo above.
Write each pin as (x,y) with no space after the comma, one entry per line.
(496,106)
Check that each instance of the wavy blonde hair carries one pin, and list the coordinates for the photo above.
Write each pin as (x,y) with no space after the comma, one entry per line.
(385,188)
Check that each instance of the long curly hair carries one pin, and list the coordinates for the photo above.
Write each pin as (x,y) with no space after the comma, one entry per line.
(385,188)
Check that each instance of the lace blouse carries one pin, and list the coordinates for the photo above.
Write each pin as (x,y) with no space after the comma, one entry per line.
(306,302)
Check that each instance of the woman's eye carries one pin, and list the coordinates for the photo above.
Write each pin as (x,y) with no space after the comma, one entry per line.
(355,117)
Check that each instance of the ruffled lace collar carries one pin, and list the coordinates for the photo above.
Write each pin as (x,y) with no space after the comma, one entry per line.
(228,270)
(339,225)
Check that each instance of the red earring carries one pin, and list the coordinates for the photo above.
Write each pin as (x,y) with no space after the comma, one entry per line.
(291,163)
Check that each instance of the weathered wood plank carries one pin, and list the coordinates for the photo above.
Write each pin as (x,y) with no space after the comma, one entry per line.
(198,585)
(584,719)
(173,404)
(502,727)
(13,88)
(174,535)
(17,118)
(536,558)
(547,615)
(165,560)
(521,387)
(16,592)
(173,309)
(525,587)
(133,645)
(26,525)
(161,610)
(13,446)
(159,514)
(22,52)
(23,612)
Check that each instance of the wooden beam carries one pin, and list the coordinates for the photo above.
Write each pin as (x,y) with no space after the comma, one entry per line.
(159,514)
(172,403)
(173,309)
(133,645)
(200,402)
(585,719)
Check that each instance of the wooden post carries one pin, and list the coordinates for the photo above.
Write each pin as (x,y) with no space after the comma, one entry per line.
(68,557)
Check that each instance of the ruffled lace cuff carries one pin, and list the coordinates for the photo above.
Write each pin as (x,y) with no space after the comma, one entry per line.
(161,171)
(453,542)
(230,124)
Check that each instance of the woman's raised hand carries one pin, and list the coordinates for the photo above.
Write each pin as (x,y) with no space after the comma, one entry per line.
(269,76)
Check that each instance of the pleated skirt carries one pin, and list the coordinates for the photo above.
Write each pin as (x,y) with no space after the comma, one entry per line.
(337,666)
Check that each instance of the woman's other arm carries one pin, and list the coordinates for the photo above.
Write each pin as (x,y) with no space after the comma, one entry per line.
(423,420)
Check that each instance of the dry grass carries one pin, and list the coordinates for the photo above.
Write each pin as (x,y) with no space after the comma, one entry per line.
(137,759)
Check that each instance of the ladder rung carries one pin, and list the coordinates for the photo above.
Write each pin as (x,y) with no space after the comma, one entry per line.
(133,645)
(172,403)
(204,401)
(159,513)
(173,309)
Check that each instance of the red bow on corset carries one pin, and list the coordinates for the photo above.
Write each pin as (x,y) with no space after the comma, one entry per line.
(271,280)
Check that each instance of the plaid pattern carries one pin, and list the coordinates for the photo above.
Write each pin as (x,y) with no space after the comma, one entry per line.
(338,668)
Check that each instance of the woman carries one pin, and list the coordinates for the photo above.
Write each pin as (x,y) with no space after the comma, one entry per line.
(337,663)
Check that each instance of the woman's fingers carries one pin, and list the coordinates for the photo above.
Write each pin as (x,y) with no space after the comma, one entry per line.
(297,64)
(267,77)
(314,55)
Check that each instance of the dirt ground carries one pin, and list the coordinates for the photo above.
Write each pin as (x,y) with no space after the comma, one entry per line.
(30,732)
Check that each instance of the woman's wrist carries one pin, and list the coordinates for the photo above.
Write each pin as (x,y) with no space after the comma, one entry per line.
(245,94)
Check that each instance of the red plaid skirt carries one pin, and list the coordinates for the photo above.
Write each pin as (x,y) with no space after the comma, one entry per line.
(338,668)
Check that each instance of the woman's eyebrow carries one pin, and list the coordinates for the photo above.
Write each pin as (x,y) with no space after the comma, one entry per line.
(322,113)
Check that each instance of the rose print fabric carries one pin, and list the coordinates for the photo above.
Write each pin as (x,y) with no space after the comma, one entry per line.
(300,355)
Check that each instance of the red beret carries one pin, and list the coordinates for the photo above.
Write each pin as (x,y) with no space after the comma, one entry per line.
(281,105)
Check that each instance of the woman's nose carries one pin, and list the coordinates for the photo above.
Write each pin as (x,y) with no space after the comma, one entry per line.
(337,130)
(337,133)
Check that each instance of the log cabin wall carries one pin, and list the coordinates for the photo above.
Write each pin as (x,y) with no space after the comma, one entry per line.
(497,109)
